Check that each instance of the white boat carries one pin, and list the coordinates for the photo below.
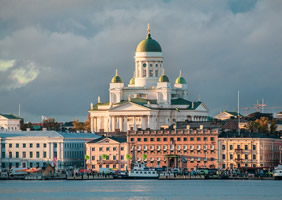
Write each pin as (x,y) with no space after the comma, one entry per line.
(277,173)
(140,171)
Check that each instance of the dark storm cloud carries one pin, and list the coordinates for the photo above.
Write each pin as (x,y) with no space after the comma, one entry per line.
(66,52)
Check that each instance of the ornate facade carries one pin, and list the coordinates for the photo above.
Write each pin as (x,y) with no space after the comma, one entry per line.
(149,100)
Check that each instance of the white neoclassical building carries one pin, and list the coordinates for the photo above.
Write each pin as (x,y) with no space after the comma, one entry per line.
(9,122)
(149,100)
(39,148)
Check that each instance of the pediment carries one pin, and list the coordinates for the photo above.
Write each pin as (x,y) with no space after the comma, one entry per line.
(129,106)
(107,141)
(202,107)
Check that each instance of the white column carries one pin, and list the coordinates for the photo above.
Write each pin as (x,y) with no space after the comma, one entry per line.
(98,124)
(60,151)
(52,150)
(125,124)
(143,123)
(149,123)
(134,123)
(114,124)
(110,124)
(106,127)
(120,124)
(49,150)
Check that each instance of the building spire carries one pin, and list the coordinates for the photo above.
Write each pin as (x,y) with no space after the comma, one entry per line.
(116,72)
(163,71)
(148,29)
(180,73)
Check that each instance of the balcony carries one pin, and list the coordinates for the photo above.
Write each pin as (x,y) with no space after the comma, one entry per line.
(238,159)
(101,162)
(239,150)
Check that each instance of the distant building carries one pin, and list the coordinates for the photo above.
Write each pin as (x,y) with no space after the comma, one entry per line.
(107,152)
(248,150)
(226,115)
(39,148)
(258,115)
(185,148)
(9,122)
(279,115)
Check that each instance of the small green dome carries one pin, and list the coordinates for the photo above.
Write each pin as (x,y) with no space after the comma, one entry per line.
(163,78)
(180,80)
(132,81)
(116,78)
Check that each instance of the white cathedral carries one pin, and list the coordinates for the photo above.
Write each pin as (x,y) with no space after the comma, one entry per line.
(149,100)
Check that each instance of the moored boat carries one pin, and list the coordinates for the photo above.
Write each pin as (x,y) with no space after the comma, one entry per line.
(277,173)
(140,171)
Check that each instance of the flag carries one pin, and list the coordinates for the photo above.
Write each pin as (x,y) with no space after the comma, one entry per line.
(144,156)
(43,118)
(54,161)
(86,157)
(128,157)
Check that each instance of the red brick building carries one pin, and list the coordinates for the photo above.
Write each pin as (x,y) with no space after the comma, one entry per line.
(185,148)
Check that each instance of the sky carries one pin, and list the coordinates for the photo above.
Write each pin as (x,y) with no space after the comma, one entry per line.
(56,57)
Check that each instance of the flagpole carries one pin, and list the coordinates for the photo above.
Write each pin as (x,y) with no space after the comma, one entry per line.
(238,113)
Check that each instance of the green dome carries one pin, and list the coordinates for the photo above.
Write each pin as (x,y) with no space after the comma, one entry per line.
(180,80)
(132,81)
(116,78)
(163,78)
(149,45)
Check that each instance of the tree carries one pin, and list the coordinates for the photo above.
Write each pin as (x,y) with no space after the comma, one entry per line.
(51,124)
(262,124)
(273,127)
(27,125)
(78,126)
(87,124)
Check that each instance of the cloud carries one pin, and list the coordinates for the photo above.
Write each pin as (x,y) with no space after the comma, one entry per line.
(22,74)
(6,64)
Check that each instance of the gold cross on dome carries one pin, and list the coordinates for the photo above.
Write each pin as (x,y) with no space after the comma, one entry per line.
(148,29)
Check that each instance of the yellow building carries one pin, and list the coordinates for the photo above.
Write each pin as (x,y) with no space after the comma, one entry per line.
(107,152)
(248,150)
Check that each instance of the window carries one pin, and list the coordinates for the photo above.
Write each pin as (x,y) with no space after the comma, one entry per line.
(254,147)
(178,139)
(191,138)
(10,154)
(114,148)
(114,166)
(121,148)
(151,73)
(107,166)
(223,165)
(17,145)
(37,154)
(122,166)
(44,154)
(156,73)
(101,149)
(246,156)
(17,154)
(231,156)
(238,146)
(55,145)
(122,157)
(93,148)
(30,145)
(223,147)
(145,139)
(246,147)
(158,139)
(165,139)
(223,156)
(114,158)
(254,156)
(30,154)
(212,138)
(185,139)
(144,72)
(24,145)
(151,139)
(198,139)
(132,139)
(93,166)
(24,154)
(3,155)
(205,139)
(37,145)
(10,145)
(231,147)
(138,139)
(172,139)
(100,166)
(93,158)
(44,145)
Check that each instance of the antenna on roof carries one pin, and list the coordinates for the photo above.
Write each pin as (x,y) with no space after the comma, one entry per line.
(238,113)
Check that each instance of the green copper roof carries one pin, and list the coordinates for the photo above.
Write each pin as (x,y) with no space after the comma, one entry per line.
(149,45)
(163,78)
(9,116)
(116,79)
(132,81)
(180,80)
